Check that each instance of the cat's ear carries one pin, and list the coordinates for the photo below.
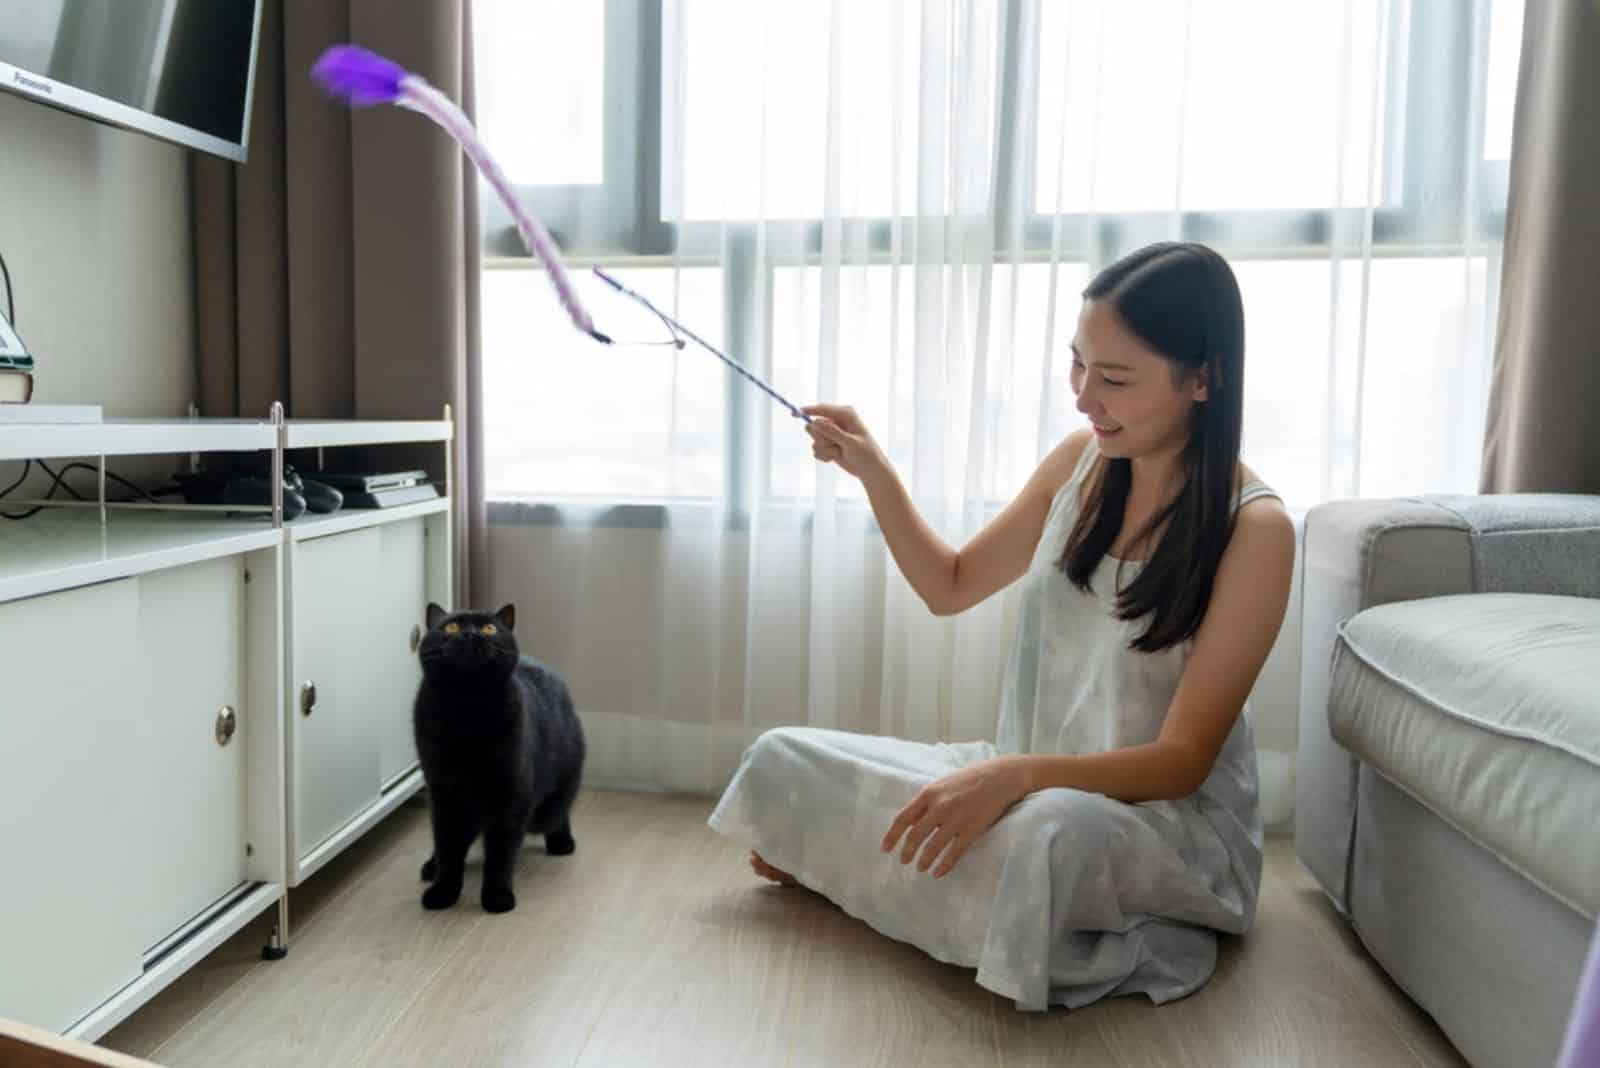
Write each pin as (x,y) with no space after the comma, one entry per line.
(436,615)
(507,617)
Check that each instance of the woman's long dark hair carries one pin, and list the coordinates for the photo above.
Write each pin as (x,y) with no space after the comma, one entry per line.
(1182,301)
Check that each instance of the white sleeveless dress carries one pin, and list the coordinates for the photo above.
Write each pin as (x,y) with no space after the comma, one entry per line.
(1071,896)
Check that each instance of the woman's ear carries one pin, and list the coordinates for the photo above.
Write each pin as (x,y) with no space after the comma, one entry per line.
(1202,384)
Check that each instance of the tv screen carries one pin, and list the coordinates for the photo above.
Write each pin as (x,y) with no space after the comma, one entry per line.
(180,70)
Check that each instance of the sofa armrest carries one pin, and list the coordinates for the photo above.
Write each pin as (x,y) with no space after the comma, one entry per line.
(1363,553)
(1530,542)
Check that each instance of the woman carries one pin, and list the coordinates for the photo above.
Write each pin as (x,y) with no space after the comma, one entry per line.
(1112,829)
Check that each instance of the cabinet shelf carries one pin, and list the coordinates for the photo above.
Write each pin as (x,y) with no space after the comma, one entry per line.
(332,433)
(311,525)
(131,437)
(59,549)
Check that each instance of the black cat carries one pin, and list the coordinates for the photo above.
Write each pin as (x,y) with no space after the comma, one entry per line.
(501,750)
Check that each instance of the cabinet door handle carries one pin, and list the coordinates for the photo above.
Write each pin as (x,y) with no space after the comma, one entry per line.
(416,636)
(308,697)
(227,723)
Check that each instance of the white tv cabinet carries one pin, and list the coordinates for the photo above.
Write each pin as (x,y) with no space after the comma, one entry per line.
(197,709)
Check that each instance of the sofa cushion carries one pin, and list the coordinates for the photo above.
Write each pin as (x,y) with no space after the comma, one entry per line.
(1486,708)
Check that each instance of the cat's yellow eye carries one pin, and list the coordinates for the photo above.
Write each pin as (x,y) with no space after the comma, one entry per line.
(452,628)
(487,628)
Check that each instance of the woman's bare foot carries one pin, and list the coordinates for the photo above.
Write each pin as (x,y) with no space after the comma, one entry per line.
(767,871)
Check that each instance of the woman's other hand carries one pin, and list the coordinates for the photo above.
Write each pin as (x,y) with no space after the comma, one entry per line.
(950,814)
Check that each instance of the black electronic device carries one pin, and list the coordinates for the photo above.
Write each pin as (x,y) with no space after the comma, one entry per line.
(321,497)
(251,490)
(392,497)
(371,481)
(380,489)
(300,495)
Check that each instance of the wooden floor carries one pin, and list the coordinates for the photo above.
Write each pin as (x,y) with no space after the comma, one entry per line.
(654,945)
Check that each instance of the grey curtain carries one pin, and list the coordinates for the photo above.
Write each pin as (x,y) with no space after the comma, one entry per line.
(337,270)
(1543,430)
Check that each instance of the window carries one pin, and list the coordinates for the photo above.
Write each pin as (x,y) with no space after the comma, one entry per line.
(1419,313)
(558,141)
(1250,82)
(707,142)
(656,169)
(1505,46)
(637,421)
(869,362)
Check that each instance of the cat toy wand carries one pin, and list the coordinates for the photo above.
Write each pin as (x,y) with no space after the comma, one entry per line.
(675,328)
(363,78)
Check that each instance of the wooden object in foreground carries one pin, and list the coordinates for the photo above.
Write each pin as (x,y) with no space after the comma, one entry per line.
(22,1046)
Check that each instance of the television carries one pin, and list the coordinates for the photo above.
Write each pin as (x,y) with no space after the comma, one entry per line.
(179,70)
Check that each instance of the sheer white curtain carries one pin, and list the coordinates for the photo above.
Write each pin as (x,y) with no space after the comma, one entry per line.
(896,205)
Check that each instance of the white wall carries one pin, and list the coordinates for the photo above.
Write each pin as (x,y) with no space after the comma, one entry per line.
(31,33)
(95,226)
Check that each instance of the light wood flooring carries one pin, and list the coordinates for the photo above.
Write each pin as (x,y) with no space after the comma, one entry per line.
(655,945)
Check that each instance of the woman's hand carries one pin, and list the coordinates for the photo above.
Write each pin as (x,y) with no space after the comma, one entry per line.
(838,436)
(950,814)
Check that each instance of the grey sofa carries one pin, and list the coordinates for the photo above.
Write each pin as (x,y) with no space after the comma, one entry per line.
(1448,774)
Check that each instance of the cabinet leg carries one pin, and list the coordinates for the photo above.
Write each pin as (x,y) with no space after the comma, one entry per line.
(277,946)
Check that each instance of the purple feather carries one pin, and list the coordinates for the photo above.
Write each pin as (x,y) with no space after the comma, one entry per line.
(359,76)
(1582,1047)
(363,77)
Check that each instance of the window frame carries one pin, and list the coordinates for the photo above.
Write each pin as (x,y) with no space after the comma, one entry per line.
(1441,198)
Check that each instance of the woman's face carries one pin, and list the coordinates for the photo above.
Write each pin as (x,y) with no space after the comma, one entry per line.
(1127,390)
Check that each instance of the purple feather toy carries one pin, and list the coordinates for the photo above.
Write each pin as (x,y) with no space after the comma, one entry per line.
(1582,1046)
(365,78)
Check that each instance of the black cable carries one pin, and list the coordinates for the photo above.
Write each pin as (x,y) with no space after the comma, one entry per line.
(58,481)
(27,466)
(78,465)
(11,304)
(36,509)
(55,483)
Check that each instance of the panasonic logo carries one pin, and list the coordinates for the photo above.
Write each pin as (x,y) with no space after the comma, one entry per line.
(29,83)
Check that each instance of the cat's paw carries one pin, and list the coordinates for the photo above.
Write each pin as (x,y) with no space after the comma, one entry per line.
(498,899)
(430,869)
(560,845)
(440,896)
